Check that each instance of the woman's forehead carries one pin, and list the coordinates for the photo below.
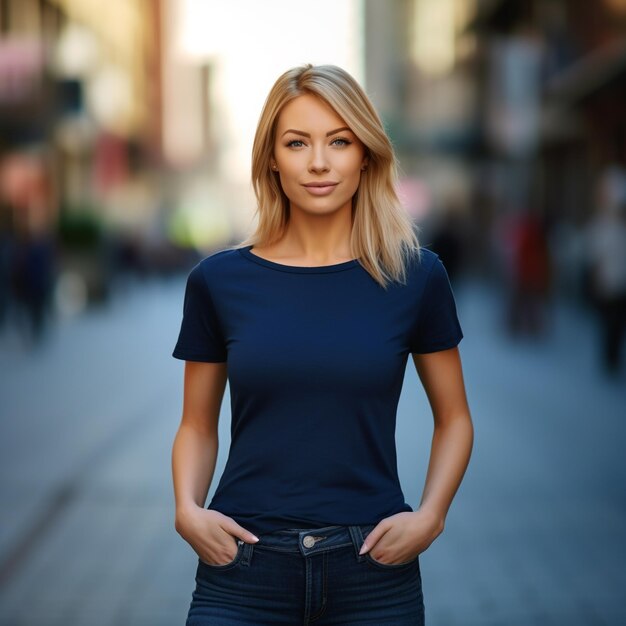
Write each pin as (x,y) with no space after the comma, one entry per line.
(308,113)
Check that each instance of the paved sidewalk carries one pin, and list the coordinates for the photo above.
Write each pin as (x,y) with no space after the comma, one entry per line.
(535,536)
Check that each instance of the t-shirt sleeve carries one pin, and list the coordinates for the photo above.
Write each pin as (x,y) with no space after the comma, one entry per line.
(200,337)
(438,327)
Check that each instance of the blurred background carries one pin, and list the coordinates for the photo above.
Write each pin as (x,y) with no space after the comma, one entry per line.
(126,130)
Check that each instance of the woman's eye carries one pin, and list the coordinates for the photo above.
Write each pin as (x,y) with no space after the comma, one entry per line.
(290,144)
(345,141)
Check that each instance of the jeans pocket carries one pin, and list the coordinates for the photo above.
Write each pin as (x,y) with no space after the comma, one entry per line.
(222,566)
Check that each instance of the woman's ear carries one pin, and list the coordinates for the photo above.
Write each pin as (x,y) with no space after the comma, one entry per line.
(366,161)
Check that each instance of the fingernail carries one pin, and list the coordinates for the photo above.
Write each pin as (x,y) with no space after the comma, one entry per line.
(363,549)
(255,538)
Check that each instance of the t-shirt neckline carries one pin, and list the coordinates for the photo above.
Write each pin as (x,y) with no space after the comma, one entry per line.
(300,269)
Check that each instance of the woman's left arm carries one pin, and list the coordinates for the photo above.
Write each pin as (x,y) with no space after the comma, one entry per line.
(399,538)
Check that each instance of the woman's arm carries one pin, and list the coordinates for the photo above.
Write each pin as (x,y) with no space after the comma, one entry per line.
(453,437)
(400,537)
(194,455)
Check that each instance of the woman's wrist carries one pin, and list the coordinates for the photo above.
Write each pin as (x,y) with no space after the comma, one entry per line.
(184,511)
(437,517)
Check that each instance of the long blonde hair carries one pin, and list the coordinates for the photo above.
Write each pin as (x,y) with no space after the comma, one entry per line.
(383,235)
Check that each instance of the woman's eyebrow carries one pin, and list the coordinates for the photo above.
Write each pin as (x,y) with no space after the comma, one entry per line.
(301,132)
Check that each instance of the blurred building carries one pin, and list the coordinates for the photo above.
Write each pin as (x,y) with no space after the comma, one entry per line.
(552,84)
(80,110)
(79,75)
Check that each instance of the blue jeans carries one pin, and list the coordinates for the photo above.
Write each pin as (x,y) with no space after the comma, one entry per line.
(307,576)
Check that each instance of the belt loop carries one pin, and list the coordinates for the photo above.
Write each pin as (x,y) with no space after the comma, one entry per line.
(247,551)
(357,540)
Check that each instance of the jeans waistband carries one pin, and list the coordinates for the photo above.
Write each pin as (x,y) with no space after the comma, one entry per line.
(308,541)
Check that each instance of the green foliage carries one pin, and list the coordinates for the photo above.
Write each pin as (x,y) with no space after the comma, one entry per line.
(80,229)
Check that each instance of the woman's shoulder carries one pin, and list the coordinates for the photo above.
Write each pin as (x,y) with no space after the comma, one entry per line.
(426,256)
(422,261)
(219,259)
(216,266)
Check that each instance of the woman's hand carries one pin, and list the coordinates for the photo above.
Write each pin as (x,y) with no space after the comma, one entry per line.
(402,537)
(211,534)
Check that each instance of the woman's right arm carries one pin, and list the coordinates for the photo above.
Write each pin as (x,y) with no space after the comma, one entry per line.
(194,455)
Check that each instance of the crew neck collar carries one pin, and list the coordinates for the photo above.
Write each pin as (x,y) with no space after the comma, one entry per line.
(299,269)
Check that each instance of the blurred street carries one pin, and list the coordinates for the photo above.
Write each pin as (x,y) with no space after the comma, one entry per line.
(535,536)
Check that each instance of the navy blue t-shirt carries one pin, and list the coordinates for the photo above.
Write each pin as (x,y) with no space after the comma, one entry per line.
(316,358)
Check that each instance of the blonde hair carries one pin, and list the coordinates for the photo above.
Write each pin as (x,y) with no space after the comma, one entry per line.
(383,234)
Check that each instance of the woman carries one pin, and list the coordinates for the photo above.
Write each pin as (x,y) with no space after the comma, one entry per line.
(312,320)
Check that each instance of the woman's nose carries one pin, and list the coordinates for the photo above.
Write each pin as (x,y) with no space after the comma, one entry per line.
(318,162)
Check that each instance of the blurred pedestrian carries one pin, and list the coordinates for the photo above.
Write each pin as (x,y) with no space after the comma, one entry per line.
(605,238)
(531,279)
(32,279)
(449,237)
(29,246)
(312,320)
(6,247)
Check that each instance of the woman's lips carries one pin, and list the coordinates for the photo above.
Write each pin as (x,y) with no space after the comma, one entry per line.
(320,191)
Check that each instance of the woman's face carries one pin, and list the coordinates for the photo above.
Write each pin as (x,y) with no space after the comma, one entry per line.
(314,145)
